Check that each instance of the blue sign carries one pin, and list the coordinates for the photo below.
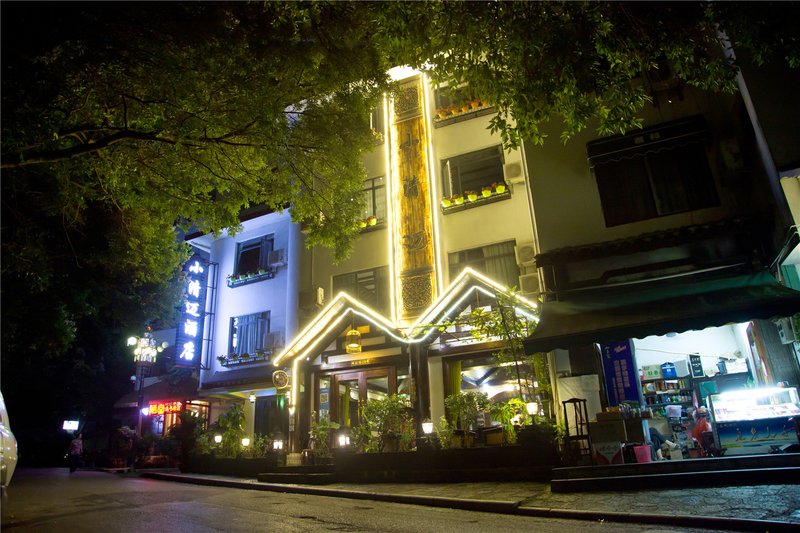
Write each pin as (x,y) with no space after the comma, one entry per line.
(619,368)
(189,341)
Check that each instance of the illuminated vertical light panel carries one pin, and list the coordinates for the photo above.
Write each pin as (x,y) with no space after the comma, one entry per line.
(391,172)
(413,254)
(189,341)
(434,186)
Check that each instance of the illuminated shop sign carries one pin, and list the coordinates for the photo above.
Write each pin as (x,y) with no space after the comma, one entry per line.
(160,408)
(190,329)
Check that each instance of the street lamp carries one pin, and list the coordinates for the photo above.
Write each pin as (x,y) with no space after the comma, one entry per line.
(145,350)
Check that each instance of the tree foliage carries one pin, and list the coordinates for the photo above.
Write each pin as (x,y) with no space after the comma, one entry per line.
(583,64)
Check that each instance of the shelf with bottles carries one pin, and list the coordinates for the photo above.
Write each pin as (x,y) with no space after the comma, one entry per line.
(667,385)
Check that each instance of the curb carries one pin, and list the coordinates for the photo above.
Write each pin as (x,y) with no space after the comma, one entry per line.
(493,506)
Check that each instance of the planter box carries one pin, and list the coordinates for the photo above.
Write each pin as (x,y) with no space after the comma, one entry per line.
(500,463)
(225,466)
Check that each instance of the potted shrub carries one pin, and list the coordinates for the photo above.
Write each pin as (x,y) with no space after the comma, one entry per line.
(372,220)
(261,271)
(475,104)
(453,110)
(446,201)
(471,195)
(458,200)
(389,418)
(465,106)
(362,223)
(242,277)
(223,359)
(464,408)
(499,187)
(320,438)
(442,113)
(507,413)
(486,192)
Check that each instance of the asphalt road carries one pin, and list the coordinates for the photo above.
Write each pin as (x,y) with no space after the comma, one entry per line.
(46,500)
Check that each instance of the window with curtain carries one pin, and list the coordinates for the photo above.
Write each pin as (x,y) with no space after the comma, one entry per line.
(496,261)
(369,286)
(374,193)
(651,184)
(248,333)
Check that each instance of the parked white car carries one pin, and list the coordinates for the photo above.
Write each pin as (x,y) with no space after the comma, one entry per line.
(8,447)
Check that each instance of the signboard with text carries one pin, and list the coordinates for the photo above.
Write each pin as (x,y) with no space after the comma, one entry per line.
(189,341)
(159,408)
(619,368)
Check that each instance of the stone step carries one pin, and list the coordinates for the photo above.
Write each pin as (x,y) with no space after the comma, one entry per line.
(755,476)
(676,467)
(302,478)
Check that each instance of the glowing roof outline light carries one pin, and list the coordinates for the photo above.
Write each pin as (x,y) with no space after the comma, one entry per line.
(343,303)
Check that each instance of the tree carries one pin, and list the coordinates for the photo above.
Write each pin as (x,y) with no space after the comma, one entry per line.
(125,124)
(583,64)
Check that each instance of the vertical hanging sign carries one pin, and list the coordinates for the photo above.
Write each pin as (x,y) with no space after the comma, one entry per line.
(189,340)
(619,367)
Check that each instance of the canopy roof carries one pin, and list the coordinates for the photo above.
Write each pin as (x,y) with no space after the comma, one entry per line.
(656,308)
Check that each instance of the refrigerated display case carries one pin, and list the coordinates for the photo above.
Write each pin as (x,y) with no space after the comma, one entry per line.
(753,421)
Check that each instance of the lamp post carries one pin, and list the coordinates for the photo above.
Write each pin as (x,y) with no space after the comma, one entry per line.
(145,350)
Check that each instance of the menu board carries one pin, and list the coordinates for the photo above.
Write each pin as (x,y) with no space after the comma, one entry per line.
(696,365)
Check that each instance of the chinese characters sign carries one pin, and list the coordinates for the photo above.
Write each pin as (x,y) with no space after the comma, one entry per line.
(159,408)
(619,367)
(190,328)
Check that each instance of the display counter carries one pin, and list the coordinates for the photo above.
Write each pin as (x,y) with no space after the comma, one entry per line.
(753,421)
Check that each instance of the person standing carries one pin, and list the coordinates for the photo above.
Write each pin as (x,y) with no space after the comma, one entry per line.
(75,452)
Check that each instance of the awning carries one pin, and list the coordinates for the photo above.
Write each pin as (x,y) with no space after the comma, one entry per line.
(223,382)
(647,140)
(656,308)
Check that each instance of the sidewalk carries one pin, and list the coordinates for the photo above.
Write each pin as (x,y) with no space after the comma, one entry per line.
(749,508)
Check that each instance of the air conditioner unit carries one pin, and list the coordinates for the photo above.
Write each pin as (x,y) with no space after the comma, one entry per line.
(529,283)
(312,298)
(274,341)
(276,258)
(785,330)
(512,172)
(526,253)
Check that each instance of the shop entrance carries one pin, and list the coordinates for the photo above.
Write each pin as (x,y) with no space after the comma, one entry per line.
(351,389)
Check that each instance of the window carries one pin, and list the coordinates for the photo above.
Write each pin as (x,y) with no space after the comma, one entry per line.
(496,261)
(472,171)
(249,333)
(376,122)
(448,96)
(650,184)
(374,193)
(252,255)
(369,286)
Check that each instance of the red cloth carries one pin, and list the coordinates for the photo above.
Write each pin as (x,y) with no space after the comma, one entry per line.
(701,426)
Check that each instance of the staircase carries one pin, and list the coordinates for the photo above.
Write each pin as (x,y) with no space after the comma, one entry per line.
(717,471)
(304,475)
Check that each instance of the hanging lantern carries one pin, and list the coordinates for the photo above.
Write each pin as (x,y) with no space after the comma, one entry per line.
(352,341)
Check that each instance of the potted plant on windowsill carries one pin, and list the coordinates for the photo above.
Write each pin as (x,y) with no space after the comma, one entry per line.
(499,188)
(471,195)
(372,220)
(362,223)
(262,271)
(223,359)
(447,201)
(458,200)
(486,192)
